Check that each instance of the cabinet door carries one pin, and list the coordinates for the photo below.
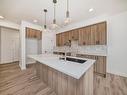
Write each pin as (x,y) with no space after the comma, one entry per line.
(87,35)
(35,33)
(94,35)
(100,65)
(31,33)
(27,32)
(99,34)
(80,41)
(75,34)
(101,28)
(66,36)
(62,39)
(70,35)
(57,39)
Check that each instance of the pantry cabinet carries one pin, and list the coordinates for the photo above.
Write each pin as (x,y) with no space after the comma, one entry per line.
(33,33)
(100,64)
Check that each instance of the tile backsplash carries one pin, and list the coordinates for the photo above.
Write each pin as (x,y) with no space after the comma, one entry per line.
(90,49)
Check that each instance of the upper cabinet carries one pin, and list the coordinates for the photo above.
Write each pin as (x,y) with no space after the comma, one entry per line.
(75,34)
(102,30)
(33,33)
(85,36)
(62,38)
(95,34)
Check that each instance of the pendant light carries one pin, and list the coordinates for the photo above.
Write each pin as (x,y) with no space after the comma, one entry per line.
(68,19)
(45,25)
(54,25)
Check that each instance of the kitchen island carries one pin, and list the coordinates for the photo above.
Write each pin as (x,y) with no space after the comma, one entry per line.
(65,77)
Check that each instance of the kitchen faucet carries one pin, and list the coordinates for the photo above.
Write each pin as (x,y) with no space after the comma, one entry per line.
(68,44)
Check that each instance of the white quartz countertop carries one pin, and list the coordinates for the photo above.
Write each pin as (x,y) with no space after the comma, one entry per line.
(73,69)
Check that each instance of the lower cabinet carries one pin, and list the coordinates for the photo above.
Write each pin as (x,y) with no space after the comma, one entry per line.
(99,66)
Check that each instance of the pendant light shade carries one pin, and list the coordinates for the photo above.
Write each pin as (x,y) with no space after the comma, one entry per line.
(68,19)
(45,25)
(54,25)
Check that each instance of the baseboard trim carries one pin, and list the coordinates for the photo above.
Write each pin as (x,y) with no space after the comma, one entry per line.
(21,67)
(10,62)
(118,73)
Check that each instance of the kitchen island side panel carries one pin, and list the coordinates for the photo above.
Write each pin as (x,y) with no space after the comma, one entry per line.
(63,84)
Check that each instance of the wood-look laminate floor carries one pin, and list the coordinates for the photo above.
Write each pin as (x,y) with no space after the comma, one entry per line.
(13,81)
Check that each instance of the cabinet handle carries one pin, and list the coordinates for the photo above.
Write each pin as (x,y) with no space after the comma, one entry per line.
(96,57)
(97,42)
(84,43)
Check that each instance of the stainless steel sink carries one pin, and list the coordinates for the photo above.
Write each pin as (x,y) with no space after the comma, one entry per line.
(74,60)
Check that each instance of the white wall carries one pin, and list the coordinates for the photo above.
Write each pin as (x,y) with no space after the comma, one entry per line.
(117,37)
(117,45)
(48,41)
(31,48)
(9,45)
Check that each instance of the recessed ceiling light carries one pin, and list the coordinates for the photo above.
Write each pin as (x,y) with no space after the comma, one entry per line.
(1,17)
(91,9)
(35,21)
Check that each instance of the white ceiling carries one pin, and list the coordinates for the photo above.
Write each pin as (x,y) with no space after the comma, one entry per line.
(17,10)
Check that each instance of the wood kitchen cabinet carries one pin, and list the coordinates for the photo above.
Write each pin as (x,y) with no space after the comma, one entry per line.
(99,34)
(33,33)
(100,64)
(66,34)
(95,34)
(57,40)
(62,38)
(102,32)
(85,36)
(75,34)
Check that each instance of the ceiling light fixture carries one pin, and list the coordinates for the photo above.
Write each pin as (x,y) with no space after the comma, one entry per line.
(91,9)
(68,19)
(1,17)
(45,25)
(54,25)
(35,21)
